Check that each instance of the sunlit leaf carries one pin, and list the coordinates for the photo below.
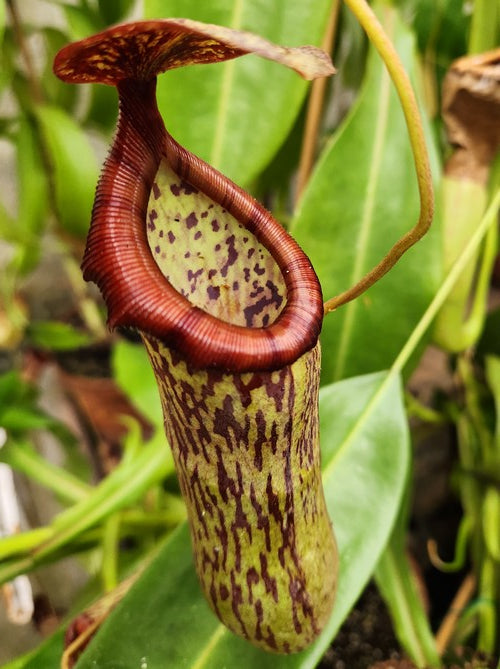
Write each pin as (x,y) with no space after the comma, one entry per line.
(360,200)
(236,115)
(164,618)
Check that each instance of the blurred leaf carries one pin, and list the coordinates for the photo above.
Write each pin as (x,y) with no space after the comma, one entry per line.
(7,54)
(55,90)
(361,198)
(32,195)
(398,584)
(2,19)
(103,110)
(490,341)
(56,336)
(48,654)
(164,617)
(19,419)
(236,115)
(17,393)
(132,372)
(441,28)
(13,389)
(113,12)
(82,21)
(6,224)
(75,171)
(493,377)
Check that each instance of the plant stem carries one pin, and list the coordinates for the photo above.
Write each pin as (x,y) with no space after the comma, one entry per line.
(315,108)
(396,582)
(488,592)
(19,544)
(422,326)
(111,537)
(484,26)
(88,308)
(382,43)
(459,603)
(31,76)
(22,457)
(123,486)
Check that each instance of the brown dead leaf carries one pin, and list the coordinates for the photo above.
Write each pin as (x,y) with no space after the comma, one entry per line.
(471,112)
(102,407)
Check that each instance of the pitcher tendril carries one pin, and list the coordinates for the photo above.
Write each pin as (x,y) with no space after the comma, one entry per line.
(230,311)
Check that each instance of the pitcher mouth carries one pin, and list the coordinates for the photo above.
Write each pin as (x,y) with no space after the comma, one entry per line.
(118,256)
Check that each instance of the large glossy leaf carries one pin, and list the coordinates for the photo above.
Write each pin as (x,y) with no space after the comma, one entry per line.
(235,115)
(360,200)
(164,620)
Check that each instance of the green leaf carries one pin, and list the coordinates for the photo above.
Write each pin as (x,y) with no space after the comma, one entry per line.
(55,91)
(132,372)
(236,115)
(115,11)
(82,21)
(14,391)
(75,171)
(365,457)
(2,19)
(22,418)
(398,585)
(361,198)
(57,336)
(47,654)
(33,196)
(493,378)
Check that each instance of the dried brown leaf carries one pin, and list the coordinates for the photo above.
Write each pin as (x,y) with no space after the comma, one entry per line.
(471,111)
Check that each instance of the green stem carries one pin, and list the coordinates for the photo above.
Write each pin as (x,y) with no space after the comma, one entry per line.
(415,408)
(123,486)
(396,582)
(24,542)
(484,26)
(488,591)
(389,55)
(22,457)
(88,308)
(423,325)
(25,563)
(111,537)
